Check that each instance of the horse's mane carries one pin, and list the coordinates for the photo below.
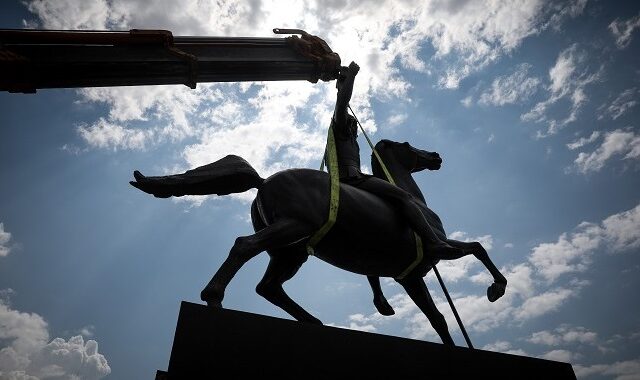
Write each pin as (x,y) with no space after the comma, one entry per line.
(375,165)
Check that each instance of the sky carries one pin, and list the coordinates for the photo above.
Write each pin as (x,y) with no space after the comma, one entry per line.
(532,105)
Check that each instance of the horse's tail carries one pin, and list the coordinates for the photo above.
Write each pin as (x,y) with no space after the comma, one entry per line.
(231,174)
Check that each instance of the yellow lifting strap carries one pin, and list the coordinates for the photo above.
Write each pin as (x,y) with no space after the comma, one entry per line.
(331,156)
(419,253)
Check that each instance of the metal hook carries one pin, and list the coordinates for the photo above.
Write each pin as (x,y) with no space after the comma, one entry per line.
(289,31)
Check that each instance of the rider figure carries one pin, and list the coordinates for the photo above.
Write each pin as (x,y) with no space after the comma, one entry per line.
(345,131)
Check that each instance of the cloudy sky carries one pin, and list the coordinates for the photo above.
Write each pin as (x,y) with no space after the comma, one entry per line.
(533,106)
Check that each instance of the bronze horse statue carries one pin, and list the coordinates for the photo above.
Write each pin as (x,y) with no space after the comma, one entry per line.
(369,237)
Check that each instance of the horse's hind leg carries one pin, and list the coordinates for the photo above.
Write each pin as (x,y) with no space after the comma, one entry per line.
(497,289)
(278,234)
(417,290)
(283,265)
(379,300)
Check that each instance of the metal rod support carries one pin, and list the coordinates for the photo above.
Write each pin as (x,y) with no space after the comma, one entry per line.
(455,312)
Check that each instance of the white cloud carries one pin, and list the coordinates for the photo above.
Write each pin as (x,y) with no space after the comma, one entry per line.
(70,14)
(521,282)
(621,104)
(504,347)
(546,338)
(30,355)
(26,331)
(564,10)
(485,240)
(273,139)
(104,134)
(625,143)
(622,370)
(396,119)
(568,79)
(87,331)
(341,287)
(564,334)
(622,30)
(358,322)
(543,303)
(622,230)
(584,141)
(5,237)
(454,270)
(467,101)
(70,359)
(572,252)
(509,89)
(560,356)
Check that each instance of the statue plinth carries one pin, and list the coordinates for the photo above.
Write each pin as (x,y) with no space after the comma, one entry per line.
(235,344)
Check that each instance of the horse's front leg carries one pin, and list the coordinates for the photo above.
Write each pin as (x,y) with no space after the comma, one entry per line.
(417,290)
(379,300)
(497,289)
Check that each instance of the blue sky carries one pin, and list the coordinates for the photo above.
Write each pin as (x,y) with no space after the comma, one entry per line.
(532,106)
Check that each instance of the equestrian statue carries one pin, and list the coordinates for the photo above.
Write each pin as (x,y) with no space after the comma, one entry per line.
(380,225)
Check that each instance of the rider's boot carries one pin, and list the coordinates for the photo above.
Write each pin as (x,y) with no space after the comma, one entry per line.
(434,245)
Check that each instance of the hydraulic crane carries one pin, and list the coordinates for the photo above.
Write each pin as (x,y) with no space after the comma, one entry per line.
(36,59)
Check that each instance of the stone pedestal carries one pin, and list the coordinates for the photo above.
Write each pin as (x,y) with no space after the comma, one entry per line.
(228,344)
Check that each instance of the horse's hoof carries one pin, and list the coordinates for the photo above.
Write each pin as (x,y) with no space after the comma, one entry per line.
(383,307)
(214,304)
(495,291)
(211,298)
(315,321)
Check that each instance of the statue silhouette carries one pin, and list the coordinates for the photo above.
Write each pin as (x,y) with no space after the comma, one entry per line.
(373,234)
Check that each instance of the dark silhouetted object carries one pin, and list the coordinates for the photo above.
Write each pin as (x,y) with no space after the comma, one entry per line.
(370,236)
(239,345)
(35,59)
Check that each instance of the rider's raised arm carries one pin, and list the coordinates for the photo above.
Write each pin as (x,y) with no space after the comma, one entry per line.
(345,89)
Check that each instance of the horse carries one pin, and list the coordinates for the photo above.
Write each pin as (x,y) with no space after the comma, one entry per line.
(369,236)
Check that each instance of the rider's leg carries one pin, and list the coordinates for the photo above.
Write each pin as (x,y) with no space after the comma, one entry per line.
(411,212)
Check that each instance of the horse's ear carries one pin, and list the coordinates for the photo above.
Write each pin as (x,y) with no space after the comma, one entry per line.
(380,144)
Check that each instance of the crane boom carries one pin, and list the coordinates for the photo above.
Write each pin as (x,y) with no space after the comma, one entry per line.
(37,59)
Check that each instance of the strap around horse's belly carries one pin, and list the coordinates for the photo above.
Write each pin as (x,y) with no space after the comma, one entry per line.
(331,157)
(418,260)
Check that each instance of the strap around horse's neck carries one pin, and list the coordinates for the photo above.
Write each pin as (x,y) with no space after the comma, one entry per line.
(419,253)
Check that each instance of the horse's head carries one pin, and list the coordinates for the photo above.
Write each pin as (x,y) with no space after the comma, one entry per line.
(410,158)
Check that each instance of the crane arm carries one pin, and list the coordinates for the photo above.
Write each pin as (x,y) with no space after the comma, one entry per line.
(37,59)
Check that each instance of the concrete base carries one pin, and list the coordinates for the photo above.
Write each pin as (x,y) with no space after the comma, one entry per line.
(228,344)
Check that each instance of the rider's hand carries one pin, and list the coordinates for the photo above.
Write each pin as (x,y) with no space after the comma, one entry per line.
(347,75)
(354,68)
